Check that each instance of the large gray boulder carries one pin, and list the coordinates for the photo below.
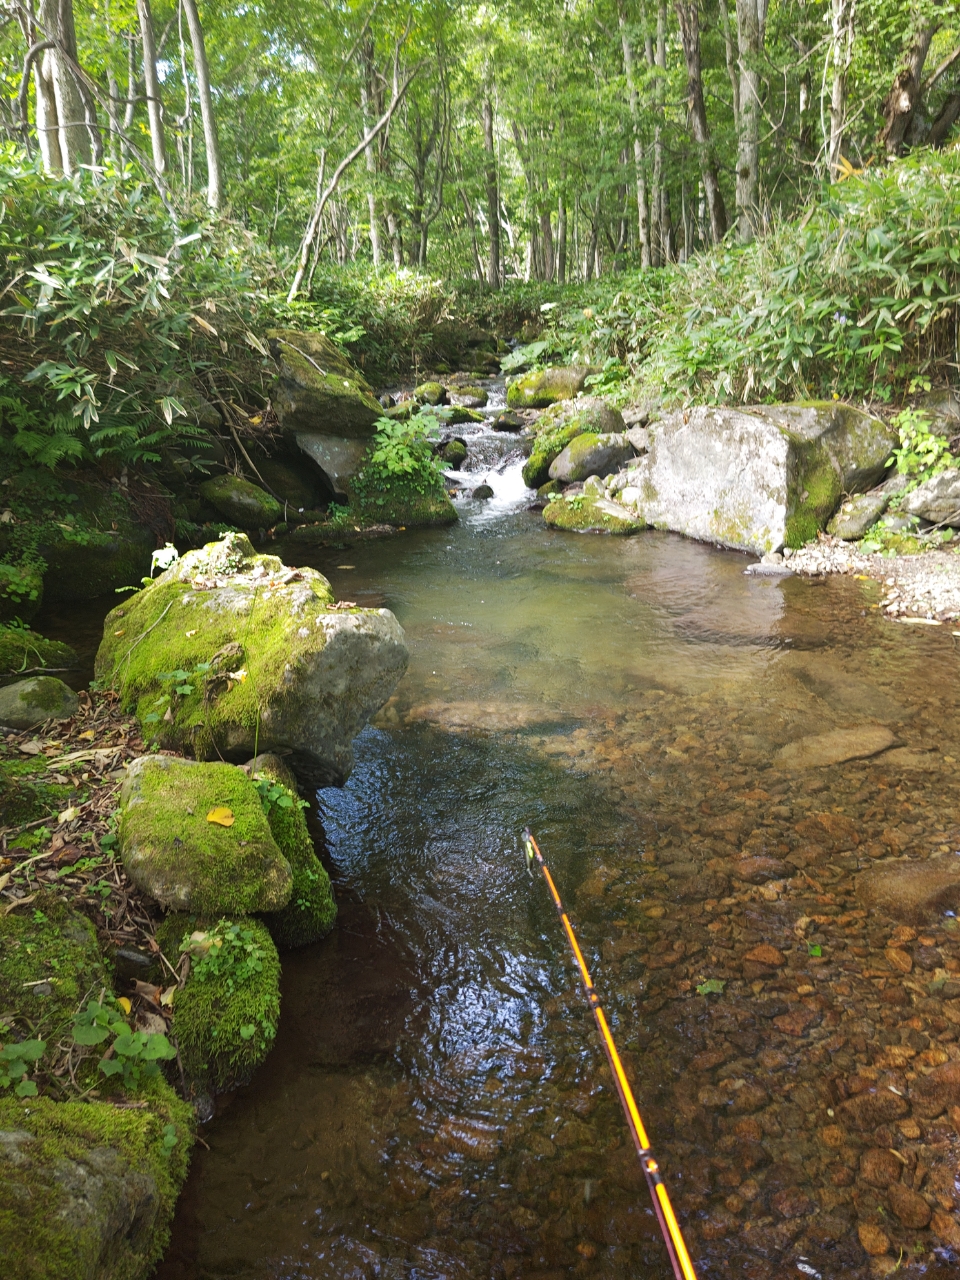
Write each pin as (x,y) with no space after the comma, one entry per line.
(272,663)
(28,703)
(241,502)
(857,515)
(591,455)
(760,478)
(195,837)
(937,499)
(337,457)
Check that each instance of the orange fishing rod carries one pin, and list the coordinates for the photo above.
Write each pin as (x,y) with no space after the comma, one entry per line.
(672,1235)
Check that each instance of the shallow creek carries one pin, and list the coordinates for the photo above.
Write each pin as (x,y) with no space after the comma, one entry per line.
(436,1105)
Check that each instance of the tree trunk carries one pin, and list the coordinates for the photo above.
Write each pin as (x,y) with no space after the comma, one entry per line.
(949,114)
(904,97)
(731,61)
(639,160)
(66,109)
(840,55)
(561,241)
(688,11)
(371,164)
(493,198)
(201,71)
(152,83)
(751,22)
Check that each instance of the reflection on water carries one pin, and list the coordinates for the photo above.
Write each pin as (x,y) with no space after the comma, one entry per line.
(436,1104)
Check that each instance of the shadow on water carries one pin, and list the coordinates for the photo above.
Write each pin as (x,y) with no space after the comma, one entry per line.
(436,1104)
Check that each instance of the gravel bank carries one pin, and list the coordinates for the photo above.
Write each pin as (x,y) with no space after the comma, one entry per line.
(921,588)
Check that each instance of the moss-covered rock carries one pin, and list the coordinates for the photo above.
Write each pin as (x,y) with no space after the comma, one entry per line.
(47,966)
(318,388)
(292,481)
(226,1014)
(240,502)
(311,912)
(30,702)
(469,396)
(550,489)
(430,393)
(98,546)
(195,838)
(287,670)
(585,514)
(21,649)
(547,446)
(543,387)
(87,1190)
(454,454)
(590,454)
(563,422)
(409,509)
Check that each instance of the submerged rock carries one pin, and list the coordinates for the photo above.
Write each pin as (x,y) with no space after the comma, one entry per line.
(270,660)
(591,455)
(937,500)
(819,749)
(761,478)
(27,703)
(241,503)
(916,892)
(195,838)
(545,387)
(482,492)
(857,515)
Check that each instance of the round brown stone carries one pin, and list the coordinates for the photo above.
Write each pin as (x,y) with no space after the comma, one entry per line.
(874,1239)
(909,1206)
(879,1167)
(873,1107)
(792,1202)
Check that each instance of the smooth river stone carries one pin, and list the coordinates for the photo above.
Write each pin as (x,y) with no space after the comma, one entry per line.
(916,892)
(821,749)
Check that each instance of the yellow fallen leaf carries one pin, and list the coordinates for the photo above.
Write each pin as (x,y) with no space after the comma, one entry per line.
(166,998)
(222,816)
(87,736)
(68,815)
(125,1004)
(190,633)
(862,577)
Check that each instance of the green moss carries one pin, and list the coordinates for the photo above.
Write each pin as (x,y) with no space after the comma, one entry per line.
(223,1035)
(454,454)
(25,793)
(549,444)
(88,1189)
(818,489)
(550,490)
(47,966)
(583,516)
(430,393)
(455,415)
(311,912)
(544,387)
(21,650)
(246,504)
(264,628)
(172,850)
(411,510)
(46,692)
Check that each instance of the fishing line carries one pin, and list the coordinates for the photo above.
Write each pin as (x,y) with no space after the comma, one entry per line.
(672,1235)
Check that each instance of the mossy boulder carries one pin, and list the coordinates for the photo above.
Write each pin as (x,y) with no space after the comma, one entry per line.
(21,650)
(287,672)
(318,388)
(408,509)
(293,482)
(195,838)
(454,454)
(430,393)
(225,1016)
(469,396)
(857,515)
(507,421)
(547,446)
(87,1190)
(562,423)
(47,967)
(311,912)
(455,415)
(27,703)
(588,514)
(240,502)
(590,454)
(543,387)
(760,478)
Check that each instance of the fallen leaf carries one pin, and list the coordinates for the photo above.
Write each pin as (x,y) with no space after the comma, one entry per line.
(190,633)
(31,748)
(68,815)
(125,1005)
(166,998)
(222,816)
(87,736)
(712,987)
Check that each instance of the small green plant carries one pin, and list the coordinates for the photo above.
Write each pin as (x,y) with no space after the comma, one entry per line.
(16,1062)
(180,687)
(133,1055)
(226,952)
(922,453)
(275,794)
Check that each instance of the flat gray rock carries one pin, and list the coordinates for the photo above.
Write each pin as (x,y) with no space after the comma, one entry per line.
(27,703)
(821,749)
(937,500)
(591,455)
(857,515)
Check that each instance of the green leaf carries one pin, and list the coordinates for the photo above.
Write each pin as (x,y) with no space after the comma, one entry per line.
(93,1034)
(712,987)
(26,1089)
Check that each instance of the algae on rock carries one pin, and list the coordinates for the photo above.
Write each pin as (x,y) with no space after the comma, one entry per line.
(544,387)
(87,1189)
(241,502)
(584,514)
(28,703)
(225,1016)
(195,838)
(22,650)
(270,662)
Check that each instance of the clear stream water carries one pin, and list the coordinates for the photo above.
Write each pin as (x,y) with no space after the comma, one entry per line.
(436,1105)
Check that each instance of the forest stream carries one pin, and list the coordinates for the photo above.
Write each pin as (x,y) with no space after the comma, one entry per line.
(437,1104)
